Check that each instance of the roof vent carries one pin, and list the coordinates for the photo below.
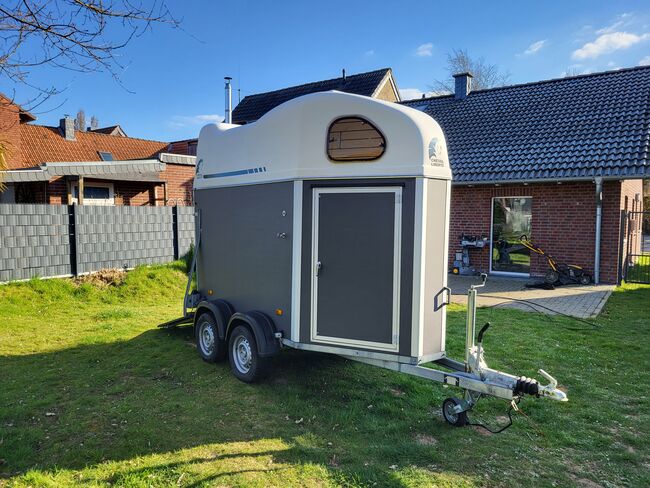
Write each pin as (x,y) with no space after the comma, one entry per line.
(463,85)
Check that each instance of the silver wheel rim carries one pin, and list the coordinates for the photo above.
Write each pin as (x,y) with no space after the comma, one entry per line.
(451,416)
(206,339)
(242,354)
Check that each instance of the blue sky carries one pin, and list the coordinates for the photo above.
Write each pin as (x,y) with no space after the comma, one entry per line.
(174,78)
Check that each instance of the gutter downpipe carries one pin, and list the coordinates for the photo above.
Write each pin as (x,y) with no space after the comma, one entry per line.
(599,220)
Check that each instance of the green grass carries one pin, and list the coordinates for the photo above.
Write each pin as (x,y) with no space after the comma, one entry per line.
(640,272)
(92,394)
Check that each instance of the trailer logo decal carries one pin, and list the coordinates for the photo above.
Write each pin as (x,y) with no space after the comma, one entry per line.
(435,152)
(239,172)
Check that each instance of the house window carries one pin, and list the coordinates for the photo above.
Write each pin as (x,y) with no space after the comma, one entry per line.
(105,156)
(191,148)
(353,139)
(95,194)
(511,218)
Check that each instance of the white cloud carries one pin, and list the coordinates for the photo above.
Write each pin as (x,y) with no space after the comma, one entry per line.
(370,52)
(182,121)
(412,93)
(607,43)
(424,50)
(621,21)
(645,61)
(535,47)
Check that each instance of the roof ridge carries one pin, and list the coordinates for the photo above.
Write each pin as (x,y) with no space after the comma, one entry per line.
(98,133)
(315,83)
(538,82)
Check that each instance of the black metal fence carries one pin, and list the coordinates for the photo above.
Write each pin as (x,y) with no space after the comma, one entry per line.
(635,249)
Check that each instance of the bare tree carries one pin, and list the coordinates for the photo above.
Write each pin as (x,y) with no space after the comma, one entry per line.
(3,162)
(94,123)
(78,35)
(570,71)
(80,120)
(485,75)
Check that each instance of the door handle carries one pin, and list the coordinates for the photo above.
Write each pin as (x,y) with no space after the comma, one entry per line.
(319,266)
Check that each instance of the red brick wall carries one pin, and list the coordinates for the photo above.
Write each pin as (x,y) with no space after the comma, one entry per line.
(179,178)
(135,194)
(564,222)
(634,235)
(126,192)
(10,132)
(57,191)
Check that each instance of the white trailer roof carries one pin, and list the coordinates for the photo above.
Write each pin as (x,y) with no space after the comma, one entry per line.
(290,142)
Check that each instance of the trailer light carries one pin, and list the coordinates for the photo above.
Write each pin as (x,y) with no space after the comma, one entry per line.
(210,292)
(279,311)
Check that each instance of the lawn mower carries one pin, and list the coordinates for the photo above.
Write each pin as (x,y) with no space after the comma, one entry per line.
(560,273)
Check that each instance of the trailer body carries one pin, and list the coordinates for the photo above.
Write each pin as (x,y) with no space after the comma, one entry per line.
(339,254)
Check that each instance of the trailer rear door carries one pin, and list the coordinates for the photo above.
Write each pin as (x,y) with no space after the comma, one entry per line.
(356,236)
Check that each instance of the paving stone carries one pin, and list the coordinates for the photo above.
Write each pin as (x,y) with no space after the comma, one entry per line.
(577,301)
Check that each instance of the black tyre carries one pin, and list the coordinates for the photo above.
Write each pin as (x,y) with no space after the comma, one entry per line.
(551,277)
(585,279)
(245,361)
(453,418)
(210,347)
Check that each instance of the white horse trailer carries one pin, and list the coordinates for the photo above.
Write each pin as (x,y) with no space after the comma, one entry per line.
(324,226)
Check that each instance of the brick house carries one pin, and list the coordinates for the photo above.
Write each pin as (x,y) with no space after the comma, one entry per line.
(540,159)
(50,164)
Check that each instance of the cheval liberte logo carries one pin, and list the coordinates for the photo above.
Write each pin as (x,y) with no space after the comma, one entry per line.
(199,168)
(435,152)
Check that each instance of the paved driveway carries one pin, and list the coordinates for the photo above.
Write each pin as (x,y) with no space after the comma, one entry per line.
(575,300)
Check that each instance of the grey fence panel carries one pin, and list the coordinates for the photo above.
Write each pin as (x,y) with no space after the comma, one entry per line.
(34,241)
(122,237)
(59,240)
(185,229)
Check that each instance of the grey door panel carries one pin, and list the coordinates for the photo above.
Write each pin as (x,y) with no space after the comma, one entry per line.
(243,258)
(356,252)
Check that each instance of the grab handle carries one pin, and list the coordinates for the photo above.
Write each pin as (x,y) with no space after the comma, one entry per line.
(446,299)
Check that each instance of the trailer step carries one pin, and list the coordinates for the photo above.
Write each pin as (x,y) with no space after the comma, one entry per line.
(187,320)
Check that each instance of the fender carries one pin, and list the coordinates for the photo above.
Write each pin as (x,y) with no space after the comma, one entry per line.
(220,309)
(263,330)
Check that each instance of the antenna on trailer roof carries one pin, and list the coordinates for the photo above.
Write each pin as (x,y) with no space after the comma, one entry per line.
(343,72)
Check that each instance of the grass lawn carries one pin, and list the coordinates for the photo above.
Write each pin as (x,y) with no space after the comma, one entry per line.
(91,393)
(640,272)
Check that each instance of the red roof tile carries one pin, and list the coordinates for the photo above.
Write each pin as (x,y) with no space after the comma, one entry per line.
(41,144)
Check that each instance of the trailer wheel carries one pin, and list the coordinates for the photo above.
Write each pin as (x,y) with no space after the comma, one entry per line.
(210,347)
(245,361)
(453,418)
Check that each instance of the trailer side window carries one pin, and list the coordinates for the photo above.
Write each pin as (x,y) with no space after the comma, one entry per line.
(352,139)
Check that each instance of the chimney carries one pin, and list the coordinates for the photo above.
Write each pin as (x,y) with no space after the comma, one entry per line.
(463,85)
(66,125)
(228,116)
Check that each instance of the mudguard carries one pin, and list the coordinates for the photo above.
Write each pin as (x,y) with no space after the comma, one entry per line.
(263,330)
(220,309)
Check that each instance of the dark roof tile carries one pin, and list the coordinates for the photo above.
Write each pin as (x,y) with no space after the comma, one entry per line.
(252,107)
(578,127)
